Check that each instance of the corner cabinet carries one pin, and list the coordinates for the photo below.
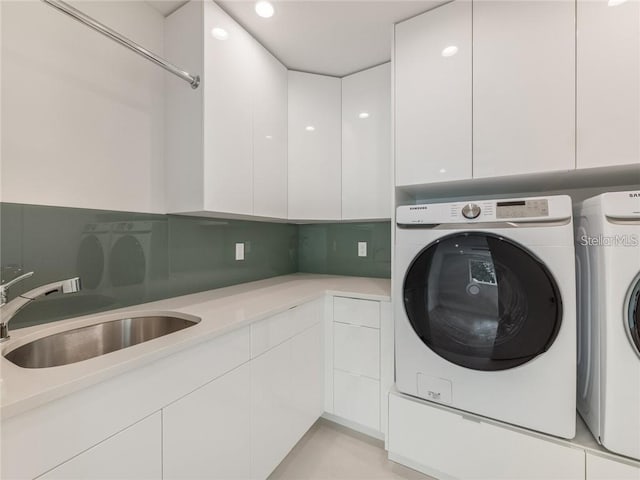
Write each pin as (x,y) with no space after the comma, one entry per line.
(366,144)
(314,147)
(226,145)
(608,83)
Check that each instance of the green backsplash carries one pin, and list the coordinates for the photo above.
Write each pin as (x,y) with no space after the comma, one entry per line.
(333,248)
(130,258)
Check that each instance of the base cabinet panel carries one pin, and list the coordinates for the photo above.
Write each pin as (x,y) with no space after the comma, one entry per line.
(134,453)
(449,444)
(206,433)
(601,468)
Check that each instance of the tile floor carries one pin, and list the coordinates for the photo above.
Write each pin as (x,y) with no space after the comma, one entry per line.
(332,452)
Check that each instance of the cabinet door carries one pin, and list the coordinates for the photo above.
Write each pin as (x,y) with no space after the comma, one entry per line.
(227,131)
(133,453)
(206,433)
(523,87)
(271,430)
(307,377)
(608,83)
(366,144)
(287,397)
(269,136)
(314,147)
(433,95)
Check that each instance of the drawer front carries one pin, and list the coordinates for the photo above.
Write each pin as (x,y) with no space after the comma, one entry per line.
(357,398)
(356,312)
(274,330)
(356,350)
(448,444)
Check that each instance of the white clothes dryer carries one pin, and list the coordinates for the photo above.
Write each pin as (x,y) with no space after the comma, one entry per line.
(608,277)
(484,307)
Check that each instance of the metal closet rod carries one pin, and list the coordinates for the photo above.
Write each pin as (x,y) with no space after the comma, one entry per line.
(76,14)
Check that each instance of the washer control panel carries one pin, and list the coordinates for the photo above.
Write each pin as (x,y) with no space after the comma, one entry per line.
(522,208)
(471,210)
(531,209)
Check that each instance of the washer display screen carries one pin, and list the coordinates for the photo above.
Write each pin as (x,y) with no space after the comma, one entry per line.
(482,302)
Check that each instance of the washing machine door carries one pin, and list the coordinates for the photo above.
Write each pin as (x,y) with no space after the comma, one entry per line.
(482,302)
(633,315)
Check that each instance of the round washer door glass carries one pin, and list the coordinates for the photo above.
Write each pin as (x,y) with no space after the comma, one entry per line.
(482,302)
(634,315)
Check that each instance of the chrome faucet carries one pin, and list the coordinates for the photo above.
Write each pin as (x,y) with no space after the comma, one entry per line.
(9,309)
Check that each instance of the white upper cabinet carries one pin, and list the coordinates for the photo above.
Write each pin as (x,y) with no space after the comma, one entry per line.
(227,127)
(523,87)
(270,138)
(219,159)
(433,95)
(608,83)
(366,144)
(314,147)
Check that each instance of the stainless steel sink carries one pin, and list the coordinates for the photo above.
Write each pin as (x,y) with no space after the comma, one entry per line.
(79,344)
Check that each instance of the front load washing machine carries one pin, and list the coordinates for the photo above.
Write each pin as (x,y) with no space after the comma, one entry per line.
(608,268)
(484,307)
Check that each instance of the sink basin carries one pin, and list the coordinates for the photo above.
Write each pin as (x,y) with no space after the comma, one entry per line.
(79,344)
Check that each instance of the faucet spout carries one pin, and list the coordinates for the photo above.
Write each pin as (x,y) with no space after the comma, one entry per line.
(8,310)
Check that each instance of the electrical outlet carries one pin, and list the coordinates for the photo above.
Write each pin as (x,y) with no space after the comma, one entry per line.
(362,249)
(239,251)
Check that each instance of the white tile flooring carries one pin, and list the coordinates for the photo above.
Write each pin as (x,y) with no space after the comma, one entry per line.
(332,452)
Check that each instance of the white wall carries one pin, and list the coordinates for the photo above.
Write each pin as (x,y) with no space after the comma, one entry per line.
(82,117)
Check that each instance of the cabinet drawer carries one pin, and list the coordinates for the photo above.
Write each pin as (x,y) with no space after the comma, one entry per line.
(357,398)
(356,350)
(274,330)
(356,312)
(448,444)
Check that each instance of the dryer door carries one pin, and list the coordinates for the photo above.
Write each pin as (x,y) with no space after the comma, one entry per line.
(633,315)
(482,302)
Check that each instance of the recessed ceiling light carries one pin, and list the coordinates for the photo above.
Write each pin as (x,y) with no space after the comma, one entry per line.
(443,170)
(264,9)
(449,51)
(310,128)
(363,115)
(219,33)
(615,3)
(268,137)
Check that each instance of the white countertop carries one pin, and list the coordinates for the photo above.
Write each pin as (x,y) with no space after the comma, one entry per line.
(221,311)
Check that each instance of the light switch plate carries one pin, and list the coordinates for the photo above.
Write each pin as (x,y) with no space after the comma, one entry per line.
(362,249)
(239,251)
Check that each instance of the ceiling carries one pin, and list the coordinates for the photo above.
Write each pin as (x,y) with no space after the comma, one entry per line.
(331,37)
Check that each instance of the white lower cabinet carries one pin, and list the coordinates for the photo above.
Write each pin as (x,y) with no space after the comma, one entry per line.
(206,433)
(355,363)
(287,397)
(448,444)
(357,398)
(134,453)
(601,468)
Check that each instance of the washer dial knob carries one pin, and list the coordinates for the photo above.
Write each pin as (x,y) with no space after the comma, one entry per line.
(470,211)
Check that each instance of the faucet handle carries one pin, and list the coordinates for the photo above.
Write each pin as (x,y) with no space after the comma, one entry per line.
(6,286)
